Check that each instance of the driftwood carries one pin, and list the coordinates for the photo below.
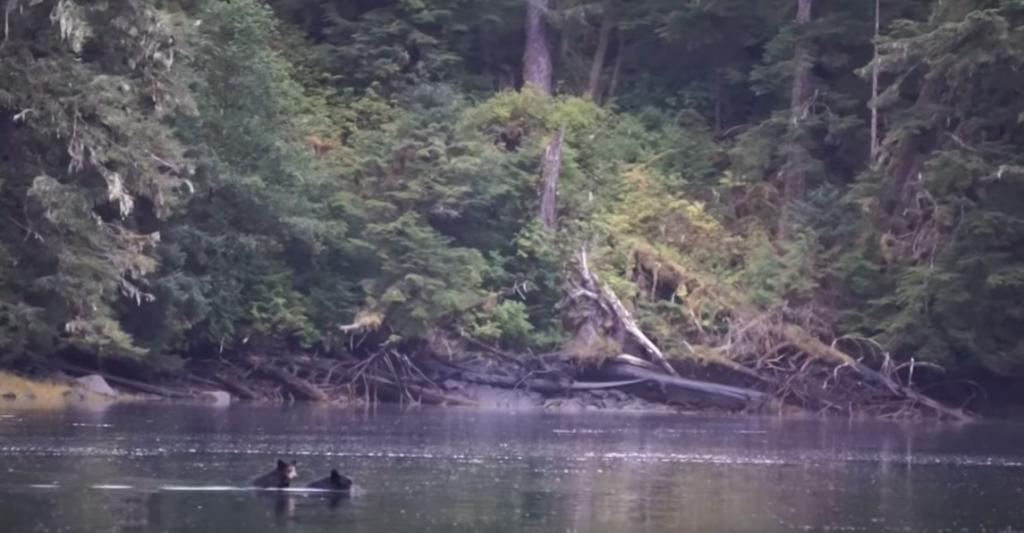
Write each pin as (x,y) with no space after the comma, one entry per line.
(545,385)
(623,366)
(302,389)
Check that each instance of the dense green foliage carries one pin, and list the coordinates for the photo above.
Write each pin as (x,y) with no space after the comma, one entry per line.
(185,176)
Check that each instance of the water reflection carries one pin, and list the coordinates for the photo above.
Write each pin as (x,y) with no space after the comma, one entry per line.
(185,469)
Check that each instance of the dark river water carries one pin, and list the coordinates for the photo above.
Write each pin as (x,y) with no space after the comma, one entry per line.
(141,468)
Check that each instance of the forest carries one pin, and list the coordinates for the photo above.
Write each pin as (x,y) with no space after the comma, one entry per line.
(807,200)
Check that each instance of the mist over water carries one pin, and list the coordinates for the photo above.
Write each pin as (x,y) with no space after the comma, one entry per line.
(141,468)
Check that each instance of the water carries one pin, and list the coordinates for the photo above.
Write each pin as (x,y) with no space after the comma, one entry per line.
(143,468)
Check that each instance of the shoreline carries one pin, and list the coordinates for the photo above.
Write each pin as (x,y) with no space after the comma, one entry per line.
(19,392)
(501,382)
(64,392)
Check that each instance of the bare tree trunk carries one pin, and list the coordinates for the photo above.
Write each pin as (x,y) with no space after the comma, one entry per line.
(718,102)
(537,57)
(603,38)
(550,170)
(613,85)
(794,173)
(874,86)
(802,63)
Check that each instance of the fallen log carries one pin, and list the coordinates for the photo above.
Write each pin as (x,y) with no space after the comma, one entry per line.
(301,388)
(236,387)
(625,368)
(543,385)
(432,397)
(815,348)
(500,353)
(597,385)
(130,384)
(524,380)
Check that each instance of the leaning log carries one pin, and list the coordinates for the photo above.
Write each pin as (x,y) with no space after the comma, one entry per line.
(610,302)
(815,348)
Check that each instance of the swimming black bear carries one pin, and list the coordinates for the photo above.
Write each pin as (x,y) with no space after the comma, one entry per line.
(280,477)
(335,482)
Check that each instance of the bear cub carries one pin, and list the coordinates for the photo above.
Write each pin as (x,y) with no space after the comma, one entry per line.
(278,478)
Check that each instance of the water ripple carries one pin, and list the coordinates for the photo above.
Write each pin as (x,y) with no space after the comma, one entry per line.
(689,457)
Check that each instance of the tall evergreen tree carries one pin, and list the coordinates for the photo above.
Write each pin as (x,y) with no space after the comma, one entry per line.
(537,61)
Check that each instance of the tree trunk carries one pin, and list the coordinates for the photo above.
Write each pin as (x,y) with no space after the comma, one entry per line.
(537,57)
(603,38)
(874,86)
(505,79)
(551,168)
(910,151)
(613,85)
(718,102)
(794,172)
(801,93)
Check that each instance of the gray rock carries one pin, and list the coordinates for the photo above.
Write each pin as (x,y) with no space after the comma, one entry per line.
(95,384)
(218,398)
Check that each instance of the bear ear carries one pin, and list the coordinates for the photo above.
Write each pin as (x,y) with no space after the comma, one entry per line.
(282,464)
(335,474)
